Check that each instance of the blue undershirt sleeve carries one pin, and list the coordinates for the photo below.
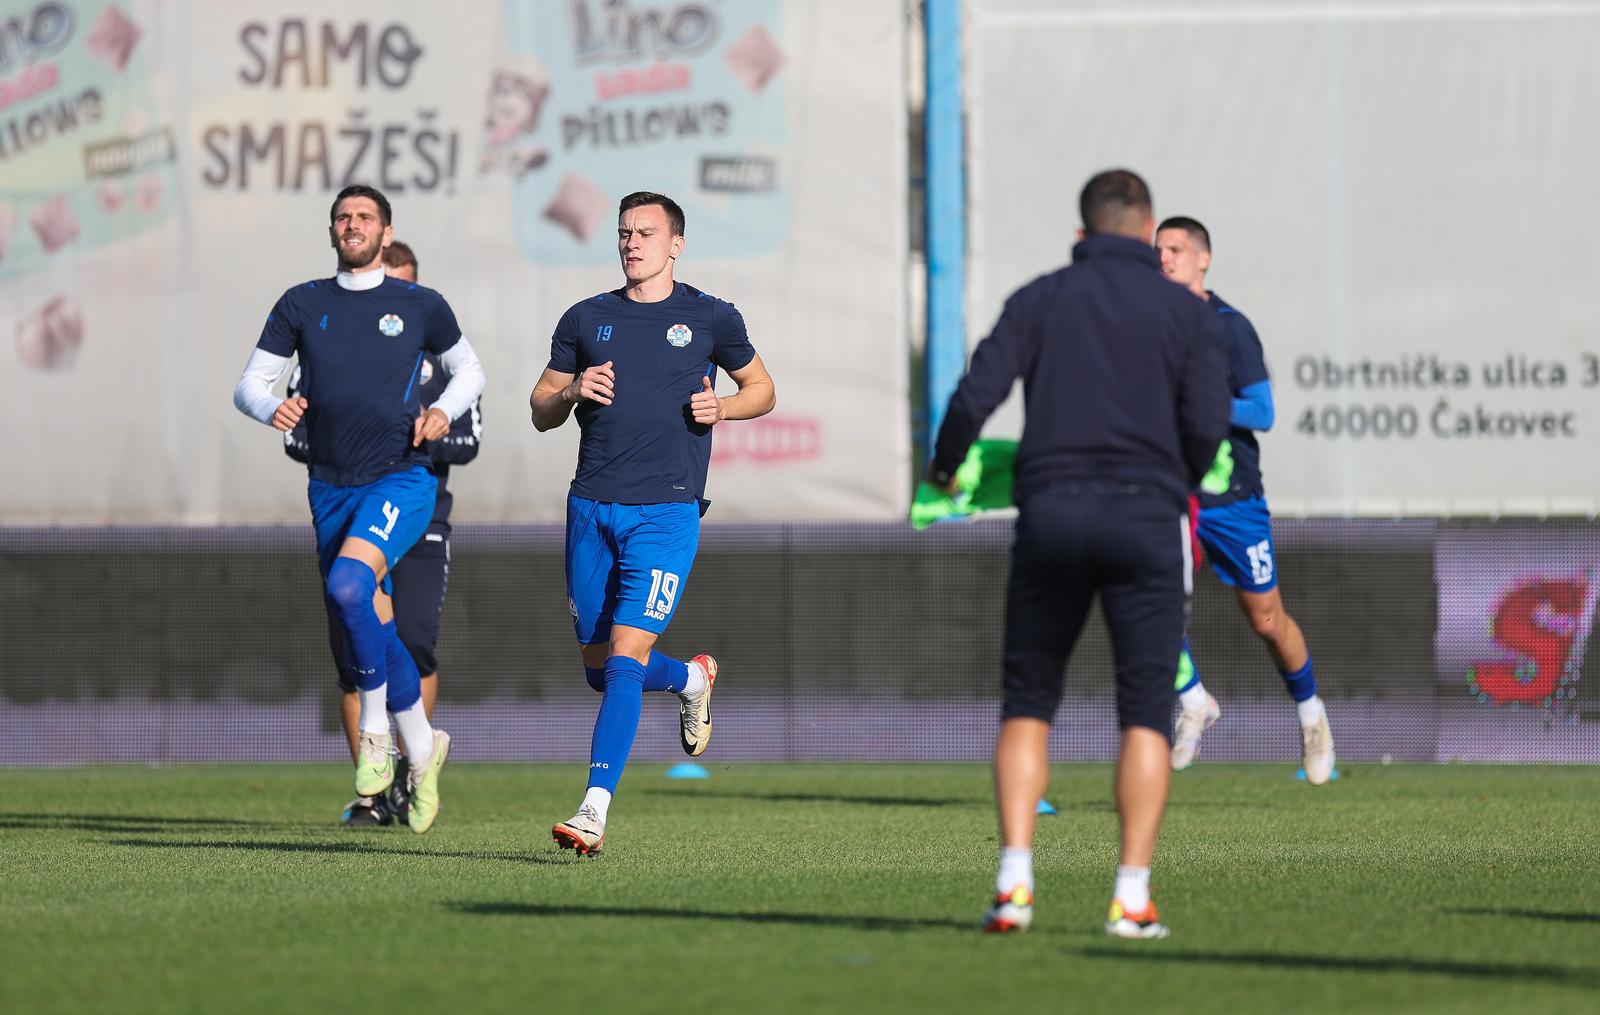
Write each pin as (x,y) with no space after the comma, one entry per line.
(1252,407)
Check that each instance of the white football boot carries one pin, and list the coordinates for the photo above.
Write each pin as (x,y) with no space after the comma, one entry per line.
(1191,724)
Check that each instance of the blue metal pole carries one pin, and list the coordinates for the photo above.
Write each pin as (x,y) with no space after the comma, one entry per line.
(946,211)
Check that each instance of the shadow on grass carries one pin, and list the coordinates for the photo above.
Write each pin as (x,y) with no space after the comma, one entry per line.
(829,798)
(890,923)
(1110,806)
(120,822)
(1529,914)
(1563,975)
(349,848)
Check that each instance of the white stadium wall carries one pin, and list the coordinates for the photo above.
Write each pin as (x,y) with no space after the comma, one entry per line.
(1401,196)
(166,170)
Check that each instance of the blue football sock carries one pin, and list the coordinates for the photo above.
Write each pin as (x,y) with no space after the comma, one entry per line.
(405,680)
(596,678)
(666,674)
(350,587)
(618,721)
(1188,672)
(1302,683)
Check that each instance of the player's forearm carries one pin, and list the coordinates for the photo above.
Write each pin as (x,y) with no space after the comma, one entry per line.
(252,395)
(755,398)
(550,406)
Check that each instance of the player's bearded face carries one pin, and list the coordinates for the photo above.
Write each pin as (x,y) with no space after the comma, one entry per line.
(358,232)
(645,243)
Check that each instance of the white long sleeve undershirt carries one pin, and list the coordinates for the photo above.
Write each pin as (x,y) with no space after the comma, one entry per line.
(466,380)
(253,394)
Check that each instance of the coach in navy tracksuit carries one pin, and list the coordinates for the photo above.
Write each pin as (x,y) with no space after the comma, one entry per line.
(1126,397)
(420,578)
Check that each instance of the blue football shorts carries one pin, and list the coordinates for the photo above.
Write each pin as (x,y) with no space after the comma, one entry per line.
(1237,538)
(391,513)
(627,564)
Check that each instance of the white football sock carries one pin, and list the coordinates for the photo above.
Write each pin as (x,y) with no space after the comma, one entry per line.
(1133,888)
(1194,699)
(1310,711)
(696,682)
(373,717)
(1016,868)
(599,800)
(417,732)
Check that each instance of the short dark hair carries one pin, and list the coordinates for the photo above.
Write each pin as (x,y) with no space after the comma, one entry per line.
(362,190)
(1115,201)
(1197,232)
(398,255)
(640,198)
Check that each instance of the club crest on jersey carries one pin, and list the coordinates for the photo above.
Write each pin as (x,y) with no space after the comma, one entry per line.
(391,325)
(679,336)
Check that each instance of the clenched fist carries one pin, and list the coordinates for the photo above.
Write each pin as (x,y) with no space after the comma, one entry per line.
(289,412)
(597,384)
(705,406)
(430,426)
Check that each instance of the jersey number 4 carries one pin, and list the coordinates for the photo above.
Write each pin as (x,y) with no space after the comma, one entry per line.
(391,514)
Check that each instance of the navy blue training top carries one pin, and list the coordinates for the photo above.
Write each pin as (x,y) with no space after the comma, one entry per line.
(1247,365)
(360,355)
(645,448)
(1122,372)
(457,447)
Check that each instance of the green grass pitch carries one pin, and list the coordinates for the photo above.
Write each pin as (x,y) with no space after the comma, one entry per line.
(794,888)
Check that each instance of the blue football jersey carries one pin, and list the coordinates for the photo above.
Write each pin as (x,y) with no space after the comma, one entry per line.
(1247,365)
(361,354)
(645,448)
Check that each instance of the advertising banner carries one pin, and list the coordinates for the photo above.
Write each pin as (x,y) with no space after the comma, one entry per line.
(1516,612)
(167,170)
(1431,641)
(88,159)
(697,94)
(1376,178)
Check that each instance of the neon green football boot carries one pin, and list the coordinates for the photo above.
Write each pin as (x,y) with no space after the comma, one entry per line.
(424,785)
(374,765)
